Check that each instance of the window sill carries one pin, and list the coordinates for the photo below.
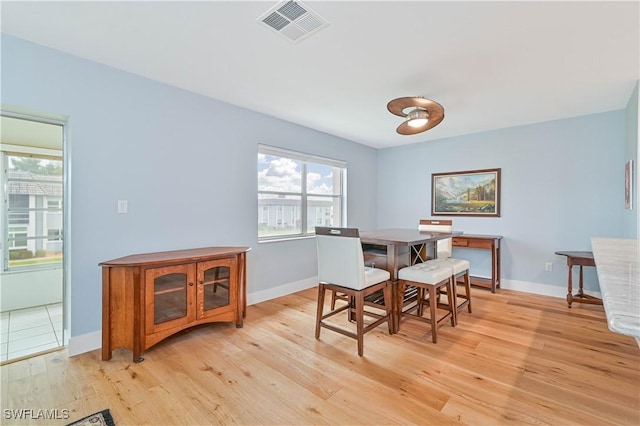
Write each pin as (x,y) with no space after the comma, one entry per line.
(277,240)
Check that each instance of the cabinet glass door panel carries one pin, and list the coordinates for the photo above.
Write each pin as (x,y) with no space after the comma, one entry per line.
(170,294)
(168,297)
(215,287)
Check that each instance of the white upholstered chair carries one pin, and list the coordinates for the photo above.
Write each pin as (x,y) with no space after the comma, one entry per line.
(341,269)
(429,280)
(459,267)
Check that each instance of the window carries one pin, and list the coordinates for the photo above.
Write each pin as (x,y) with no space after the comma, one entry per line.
(297,192)
(54,235)
(17,237)
(19,214)
(33,210)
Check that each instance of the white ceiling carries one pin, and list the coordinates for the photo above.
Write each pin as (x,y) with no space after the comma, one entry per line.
(490,64)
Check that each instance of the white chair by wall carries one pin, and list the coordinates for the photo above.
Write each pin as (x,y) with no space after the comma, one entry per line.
(459,267)
(341,269)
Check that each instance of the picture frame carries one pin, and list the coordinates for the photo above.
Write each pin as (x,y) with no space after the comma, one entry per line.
(628,185)
(466,193)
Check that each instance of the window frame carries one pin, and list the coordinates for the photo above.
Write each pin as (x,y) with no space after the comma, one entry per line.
(305,160)
(6,230)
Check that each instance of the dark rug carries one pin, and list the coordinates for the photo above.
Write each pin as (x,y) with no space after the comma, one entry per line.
(103,418)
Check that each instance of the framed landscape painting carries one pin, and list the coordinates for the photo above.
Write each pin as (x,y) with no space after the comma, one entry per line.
(468,193)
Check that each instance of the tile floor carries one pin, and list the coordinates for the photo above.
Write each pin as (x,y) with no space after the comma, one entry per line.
(31,330)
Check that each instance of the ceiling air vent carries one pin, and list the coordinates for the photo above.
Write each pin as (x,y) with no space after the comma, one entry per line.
(293,20)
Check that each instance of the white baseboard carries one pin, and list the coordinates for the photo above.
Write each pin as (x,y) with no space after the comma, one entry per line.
(92,341)
(537,288)
(84,343)
(283,290)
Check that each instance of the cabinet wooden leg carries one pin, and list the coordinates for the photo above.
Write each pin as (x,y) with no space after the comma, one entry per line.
(106,353)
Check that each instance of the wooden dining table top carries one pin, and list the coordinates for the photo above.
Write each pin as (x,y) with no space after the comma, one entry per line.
(403,236)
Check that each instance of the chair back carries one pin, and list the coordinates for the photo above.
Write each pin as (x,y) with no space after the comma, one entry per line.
(445,247)
(340,257)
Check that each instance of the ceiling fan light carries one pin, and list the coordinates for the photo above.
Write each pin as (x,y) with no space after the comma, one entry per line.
(417,118)
(419,114)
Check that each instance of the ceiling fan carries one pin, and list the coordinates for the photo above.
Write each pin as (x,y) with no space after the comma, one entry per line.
(421,114)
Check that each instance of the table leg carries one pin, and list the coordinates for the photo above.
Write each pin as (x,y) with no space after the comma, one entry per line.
(394,307)
(497,282)
(400,290)
(570,285)
(393,267)
(580,293)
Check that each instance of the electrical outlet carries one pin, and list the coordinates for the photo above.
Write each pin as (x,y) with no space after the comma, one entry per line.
(123,206)
(548,266)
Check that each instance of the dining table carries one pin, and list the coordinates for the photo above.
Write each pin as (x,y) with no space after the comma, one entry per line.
(395,248)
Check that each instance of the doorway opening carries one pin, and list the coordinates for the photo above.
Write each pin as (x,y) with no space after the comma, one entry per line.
(32,236)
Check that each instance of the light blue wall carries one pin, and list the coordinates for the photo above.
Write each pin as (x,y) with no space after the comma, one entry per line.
(186,164)
(630,217)
(561,185)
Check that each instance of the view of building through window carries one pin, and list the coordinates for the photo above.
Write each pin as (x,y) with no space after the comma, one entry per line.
(296,193)
(33,207)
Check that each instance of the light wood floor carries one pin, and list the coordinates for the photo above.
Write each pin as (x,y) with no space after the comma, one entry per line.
(517,359)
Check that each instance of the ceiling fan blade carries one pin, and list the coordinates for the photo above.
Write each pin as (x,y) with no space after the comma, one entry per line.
(397,106)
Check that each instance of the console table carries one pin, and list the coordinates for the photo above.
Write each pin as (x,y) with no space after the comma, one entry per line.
(578,258)
(483,242)
(151,296)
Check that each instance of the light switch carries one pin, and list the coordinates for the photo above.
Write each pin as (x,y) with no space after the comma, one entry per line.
(123,206)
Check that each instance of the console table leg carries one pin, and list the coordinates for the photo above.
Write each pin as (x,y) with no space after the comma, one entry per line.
(580,292)
(570,286)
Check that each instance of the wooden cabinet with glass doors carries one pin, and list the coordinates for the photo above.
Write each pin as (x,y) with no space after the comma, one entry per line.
(149,297)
